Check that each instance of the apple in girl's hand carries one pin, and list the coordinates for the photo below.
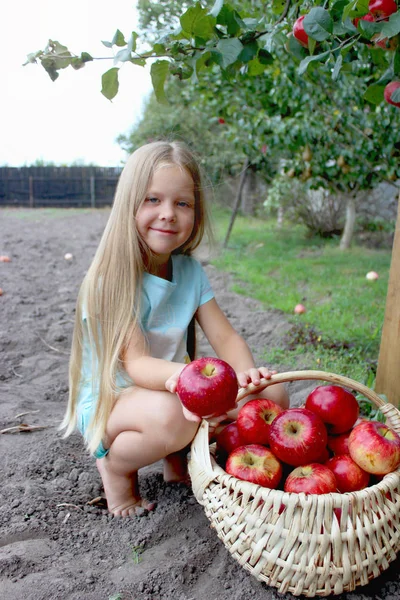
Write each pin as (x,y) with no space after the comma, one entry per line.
(297,436)
(255,463)
(228,439)
(311,479)
(339,444)
(337,407)
(349,476)
(375,447)
(208,387)
(255,418)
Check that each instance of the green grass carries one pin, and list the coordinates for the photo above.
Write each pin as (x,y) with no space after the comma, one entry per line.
(341,329)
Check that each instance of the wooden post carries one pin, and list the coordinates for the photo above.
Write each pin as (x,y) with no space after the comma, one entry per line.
(92,191)
(388,373)
(31,197)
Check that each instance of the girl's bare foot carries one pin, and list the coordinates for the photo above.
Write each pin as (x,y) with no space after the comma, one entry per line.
(175,468)
(122,492)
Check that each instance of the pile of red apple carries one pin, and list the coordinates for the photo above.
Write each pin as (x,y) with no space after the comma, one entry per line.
(320,448)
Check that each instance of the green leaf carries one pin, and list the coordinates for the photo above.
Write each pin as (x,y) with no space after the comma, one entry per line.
(391,27)
(159,72)
(86,57)
(374,93)
(255,67)
(356,8)
(122,55)
(48,66)
(230,50)
(386,77)
(132,41)
(396,62)
(265,57)
(278,6)
(368,29)
(118,39)
(107,44)
(395,96)
(140,62)
(295,48)
(231,20)
(197,22)
(216,9)
(337,67)
(318,24)
(249,52)
(309,59)
(110,83)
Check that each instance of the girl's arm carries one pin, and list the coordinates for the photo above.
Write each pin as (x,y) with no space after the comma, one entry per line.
(231,347)
(143,369)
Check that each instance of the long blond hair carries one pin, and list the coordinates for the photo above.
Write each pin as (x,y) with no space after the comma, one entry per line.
(110,290)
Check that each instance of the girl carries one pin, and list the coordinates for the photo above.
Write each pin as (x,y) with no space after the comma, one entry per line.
(134,309)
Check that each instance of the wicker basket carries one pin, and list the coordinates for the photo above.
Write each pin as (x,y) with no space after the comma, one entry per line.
(294,542)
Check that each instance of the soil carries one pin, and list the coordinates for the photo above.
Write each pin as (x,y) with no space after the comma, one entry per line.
(53,543)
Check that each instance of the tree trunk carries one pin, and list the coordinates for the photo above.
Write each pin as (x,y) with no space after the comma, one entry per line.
(250,193)
(279,219)
(237,201)
(348,231)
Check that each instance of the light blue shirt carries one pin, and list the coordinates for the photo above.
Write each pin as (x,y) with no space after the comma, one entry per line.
(167,307)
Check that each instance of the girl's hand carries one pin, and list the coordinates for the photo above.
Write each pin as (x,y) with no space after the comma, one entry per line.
(254,376)
(172,381)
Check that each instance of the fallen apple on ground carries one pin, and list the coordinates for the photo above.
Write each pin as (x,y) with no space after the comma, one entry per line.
(208,387)
(375,447)
(255,418)
(313,478)
(256,464)
(372,276)
(297,436)
(300,309)
(349,476)
(337,407)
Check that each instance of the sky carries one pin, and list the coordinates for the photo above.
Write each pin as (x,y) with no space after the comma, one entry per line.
(69,120)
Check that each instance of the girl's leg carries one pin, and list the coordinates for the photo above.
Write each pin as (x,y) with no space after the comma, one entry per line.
(144,426)
(175,467)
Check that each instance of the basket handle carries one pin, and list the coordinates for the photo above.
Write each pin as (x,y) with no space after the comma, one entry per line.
(319,375)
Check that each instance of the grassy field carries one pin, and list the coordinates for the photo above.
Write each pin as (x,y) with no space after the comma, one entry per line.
(341,329)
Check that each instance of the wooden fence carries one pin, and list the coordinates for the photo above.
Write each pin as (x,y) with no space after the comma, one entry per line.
(58,186)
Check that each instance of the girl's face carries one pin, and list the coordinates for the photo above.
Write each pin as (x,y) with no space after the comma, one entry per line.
(165,220)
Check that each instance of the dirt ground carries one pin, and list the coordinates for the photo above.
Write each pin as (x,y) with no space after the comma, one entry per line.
(53,544)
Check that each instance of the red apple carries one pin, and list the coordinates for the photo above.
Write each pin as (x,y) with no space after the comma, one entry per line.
(337,407)
(323,456)
(382,8)
(297,436)
(299,32)
(256,464)
(255,418)
(311,479)
(349,476)
(208,387)
(375,447)
(369,17)
(388,91)
(339,444)
(228,439)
